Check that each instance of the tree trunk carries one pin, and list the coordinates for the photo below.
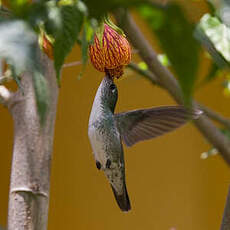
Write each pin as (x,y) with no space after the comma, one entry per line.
(33,144)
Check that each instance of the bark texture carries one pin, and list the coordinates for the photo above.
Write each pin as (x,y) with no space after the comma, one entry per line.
(30,174)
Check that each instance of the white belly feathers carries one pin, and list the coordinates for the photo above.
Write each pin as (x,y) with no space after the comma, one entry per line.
(97,143)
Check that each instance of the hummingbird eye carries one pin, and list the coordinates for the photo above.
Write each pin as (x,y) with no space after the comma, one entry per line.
(112,87)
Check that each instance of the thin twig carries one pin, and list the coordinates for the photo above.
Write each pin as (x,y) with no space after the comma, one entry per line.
(225,224)
(169,82)
(215,116)
(76,63)
(145,73)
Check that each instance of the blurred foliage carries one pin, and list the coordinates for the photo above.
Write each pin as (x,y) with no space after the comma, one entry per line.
(67,34)
(19,39)
(215,36)
(222,10)
(163,59)
(213,33)
(89,28)
(61,22)
(175,36)
(18,46)
(142,65)
(97,8)
(69,21)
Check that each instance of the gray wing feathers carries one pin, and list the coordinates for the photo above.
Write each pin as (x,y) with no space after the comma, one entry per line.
(144,124)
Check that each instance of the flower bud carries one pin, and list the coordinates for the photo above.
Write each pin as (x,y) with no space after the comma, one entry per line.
(47,46)
(111,54)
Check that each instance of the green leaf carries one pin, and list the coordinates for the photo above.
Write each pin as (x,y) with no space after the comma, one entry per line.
(98,8)
(154,16)
(163,59)
(66,2)
(224,11)
(100,32)
(40,85)
(142,65)
(72,20)
(84,46)
(20,8)
(19,2)
(215,36)
(18,46)
(211,6)
(15,76)
(41,93)
(17,41)
(212,74)
(52,18)
(175,36)
(87,38)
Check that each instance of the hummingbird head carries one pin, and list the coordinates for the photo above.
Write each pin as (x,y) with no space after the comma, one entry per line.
(109,93)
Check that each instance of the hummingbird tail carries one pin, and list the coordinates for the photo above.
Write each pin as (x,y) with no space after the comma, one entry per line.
(123,199)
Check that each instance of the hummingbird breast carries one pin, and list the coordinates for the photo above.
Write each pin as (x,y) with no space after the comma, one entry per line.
(97,141)
(106,147)
(105,141)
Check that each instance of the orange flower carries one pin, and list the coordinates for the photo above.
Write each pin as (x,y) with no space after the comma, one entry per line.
(112,54)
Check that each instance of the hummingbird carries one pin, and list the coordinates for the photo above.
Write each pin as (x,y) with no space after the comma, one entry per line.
(107,130)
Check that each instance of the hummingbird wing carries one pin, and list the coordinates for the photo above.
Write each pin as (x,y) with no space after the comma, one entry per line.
(144,124)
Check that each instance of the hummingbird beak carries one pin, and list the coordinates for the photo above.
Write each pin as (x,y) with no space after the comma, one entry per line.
(107,74)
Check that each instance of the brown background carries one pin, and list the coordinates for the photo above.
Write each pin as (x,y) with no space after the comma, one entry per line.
(169,185)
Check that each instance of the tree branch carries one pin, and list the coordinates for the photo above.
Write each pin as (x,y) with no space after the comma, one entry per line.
(145,73)
(210,113)
(215,116)
(225,224)
(169,82)
(30,175)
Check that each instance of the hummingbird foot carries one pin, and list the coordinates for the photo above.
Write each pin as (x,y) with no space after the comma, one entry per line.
(108,164)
